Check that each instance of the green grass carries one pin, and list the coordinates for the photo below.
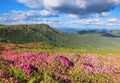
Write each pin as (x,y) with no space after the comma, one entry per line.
(43,48)
(44,39)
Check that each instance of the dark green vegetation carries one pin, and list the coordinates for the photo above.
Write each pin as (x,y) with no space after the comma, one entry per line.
(21,34)
(92,39)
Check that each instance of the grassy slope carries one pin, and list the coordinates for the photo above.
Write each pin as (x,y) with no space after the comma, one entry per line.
(86,41)
(84,66)
(32,33)
(96,40)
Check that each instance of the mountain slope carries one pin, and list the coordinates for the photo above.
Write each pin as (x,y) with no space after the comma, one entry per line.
(32,33)
(97,39)
(22,34)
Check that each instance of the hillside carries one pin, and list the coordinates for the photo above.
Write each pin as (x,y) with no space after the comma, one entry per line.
(22,34)
(97,39)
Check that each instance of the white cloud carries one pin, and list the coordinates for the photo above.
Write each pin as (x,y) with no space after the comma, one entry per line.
(91,23)
(46,13)
(32,3)
(72,16)
(103,14)
(29,17)
(20,17)
(79,7)
(53,3)
(113,20)
(26,16)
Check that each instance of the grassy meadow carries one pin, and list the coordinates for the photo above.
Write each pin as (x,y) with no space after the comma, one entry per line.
(46,55)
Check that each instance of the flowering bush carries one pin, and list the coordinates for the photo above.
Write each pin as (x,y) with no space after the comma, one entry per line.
(31,63)
(31,67)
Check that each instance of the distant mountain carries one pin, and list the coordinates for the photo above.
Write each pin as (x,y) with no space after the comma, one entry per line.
(68,30)
(22,34)
(115,32)
(97,39)
(112,33)
(71,30)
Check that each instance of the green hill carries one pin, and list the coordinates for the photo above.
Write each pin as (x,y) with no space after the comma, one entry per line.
(22,34)
(97,39)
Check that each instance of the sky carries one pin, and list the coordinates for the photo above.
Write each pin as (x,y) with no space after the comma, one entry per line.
(62,13)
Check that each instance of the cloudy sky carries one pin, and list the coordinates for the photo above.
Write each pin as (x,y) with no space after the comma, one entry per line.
(62,13)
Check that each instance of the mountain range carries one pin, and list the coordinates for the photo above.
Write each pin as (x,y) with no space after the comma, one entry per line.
(22,34)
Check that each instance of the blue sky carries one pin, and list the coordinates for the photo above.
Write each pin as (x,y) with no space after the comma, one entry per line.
(62,13)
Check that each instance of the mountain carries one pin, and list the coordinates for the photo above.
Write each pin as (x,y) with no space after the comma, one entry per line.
(22,34)
(115,32)
(97,39)
(68,30)
(71,30)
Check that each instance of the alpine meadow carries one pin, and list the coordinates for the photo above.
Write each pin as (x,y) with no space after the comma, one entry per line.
(60,41)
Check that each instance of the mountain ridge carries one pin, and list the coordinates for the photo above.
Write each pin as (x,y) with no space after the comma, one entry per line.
(31,33)
(45,33)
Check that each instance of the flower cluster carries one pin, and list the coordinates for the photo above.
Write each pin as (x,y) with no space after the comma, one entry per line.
(23,66)
(31,62)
